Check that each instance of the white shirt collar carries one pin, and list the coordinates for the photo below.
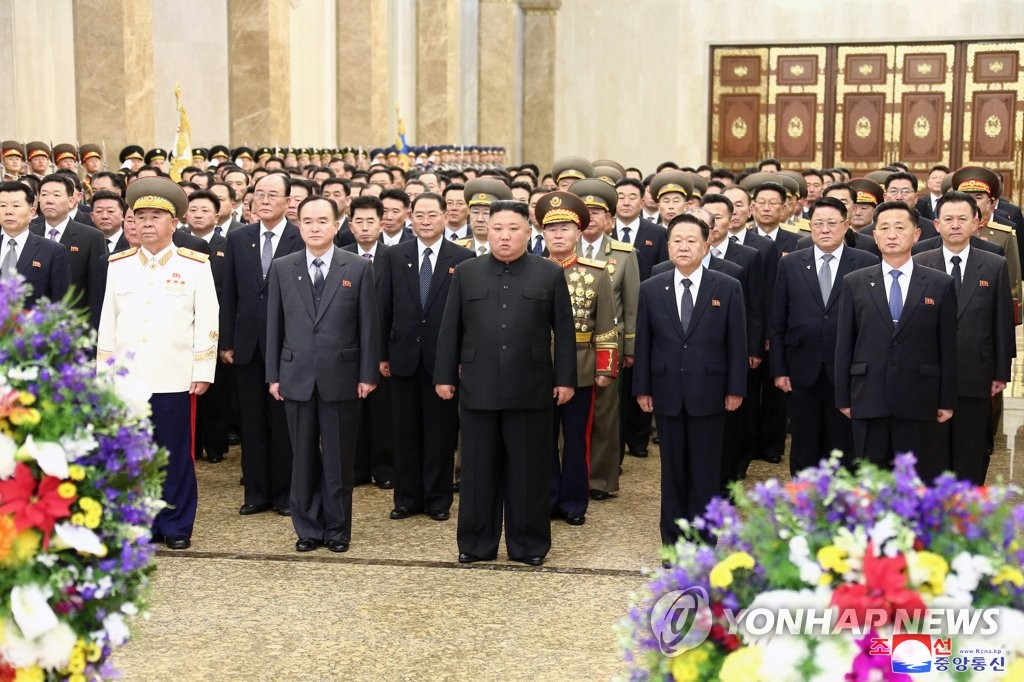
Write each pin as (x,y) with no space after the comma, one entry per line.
(837,254)
(326,259)
(907,269)
(372,250)
(722,248)
(20,240)
(276,229)
(947,256)
(421,247)
(461,233)
(770,235)
(598,246)
(114,238)
(695,279)
(478,244)
(633,226)
(60,227)
(206,238)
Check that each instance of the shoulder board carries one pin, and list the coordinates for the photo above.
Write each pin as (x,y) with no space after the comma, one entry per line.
(193,255)
(464,243)
(620,246)
(790,228)
(999,226)
(600,264)
(120,255)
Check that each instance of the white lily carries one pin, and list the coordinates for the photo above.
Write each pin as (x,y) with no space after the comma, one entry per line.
(31,609)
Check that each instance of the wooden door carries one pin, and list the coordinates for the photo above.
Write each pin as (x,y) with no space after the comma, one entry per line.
(796,105)
(864,116)
(739,96)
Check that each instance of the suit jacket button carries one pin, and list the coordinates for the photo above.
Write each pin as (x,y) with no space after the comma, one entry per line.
(419,339)
(504,347)
(826,317)
(261,297)
(686,345)
(503,325)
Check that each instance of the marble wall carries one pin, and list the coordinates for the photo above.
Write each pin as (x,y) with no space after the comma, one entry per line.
(259,71)
(313,83)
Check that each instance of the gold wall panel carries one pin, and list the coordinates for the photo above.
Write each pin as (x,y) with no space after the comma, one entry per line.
(739,105)
(796,105)
(923,106)
(864,115)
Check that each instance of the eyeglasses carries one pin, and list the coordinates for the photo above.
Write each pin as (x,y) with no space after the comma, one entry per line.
(955,220)
(830,224)
(900,191)
(260,195)
(761,203)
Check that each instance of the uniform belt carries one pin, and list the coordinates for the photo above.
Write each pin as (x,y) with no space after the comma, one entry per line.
(584,337)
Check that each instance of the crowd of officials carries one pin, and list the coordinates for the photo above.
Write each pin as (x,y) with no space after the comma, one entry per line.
(507,335)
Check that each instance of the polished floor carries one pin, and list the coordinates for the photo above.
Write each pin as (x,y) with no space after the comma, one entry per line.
(241,604)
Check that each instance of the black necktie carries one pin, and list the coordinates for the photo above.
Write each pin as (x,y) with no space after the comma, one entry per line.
(957,274)
(318,282)
(733,239)
(218,231)
(538,246)
(625,235)
(686,307)
(425,274)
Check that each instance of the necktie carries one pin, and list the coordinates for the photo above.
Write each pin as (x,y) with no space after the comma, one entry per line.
(10,264)
(733,239)
(625,235)
(218,231)
(268,252)
(895,297)
(318,282)
(482,250)
(957,274)
(53,234)
(686,307)
(425,274)
(110,246)
(454,236)
(716,253)
(538,245)
(825,277)
(590,251)
(368,256)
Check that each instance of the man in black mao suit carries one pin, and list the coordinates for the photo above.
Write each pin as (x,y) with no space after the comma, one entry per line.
(412,299)
(266,450)
(985,332)
(690,369)
(498,323)
(803,334)
(43,264)
(84,244)
(896,361)
(322,356)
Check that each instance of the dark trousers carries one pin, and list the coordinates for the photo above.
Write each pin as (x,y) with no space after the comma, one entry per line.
(211,434)
(266,449)
(766,416)
(880,440)
(969,429)
(506,463)
(570,473)
(634,423)
(734,464)
(817,426)
(172,418)
(375,446)
(691,458)
(425,431)
(323,435)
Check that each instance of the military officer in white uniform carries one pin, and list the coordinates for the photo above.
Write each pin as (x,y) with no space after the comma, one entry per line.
(159,319)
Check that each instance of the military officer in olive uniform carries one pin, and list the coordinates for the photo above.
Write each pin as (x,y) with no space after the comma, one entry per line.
(606,444)
(160,318)
(562,215)
(13,159)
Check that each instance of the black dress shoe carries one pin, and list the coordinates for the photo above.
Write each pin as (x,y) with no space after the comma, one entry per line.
(178,543)
(234,438)
(156,537)
(250,509)
(439,515)
(385,484)
(337,545)
(306,545)
(557,513)
(467,558)
(599,495)
(215,458)
(639,453)
(283,511)
(530,560)
(575,519)
(402,513)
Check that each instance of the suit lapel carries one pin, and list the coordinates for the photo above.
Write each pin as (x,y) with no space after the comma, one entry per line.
(876,289)
(668,295)
(845,267)
(444,256)
(811,276)
(27,254)
(412,273)
(704,294)
(968,285)
(255,252)
(333,282)
(68,238)
(305,286)
(915,291)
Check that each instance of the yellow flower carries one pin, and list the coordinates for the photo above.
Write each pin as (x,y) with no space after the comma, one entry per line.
(721,574)
(78,518)
(92,520)
(825,579)
(742,665)
(1015,671)
(76,472)
(76,677)
(7,535)
(21,416)
(936,569)
(686,666)
(26,398)
(24,549)
(67,490)
(94,653)
(31,674)
(833,558)
(1008,574)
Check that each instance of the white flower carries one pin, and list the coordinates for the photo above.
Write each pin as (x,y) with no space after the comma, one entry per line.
(800,555)
(49,456)
(855,544)
(834,657)
(798,548)
(810,573)
(7,462)
(55,647)
(82,444)
(31,611)
(15,649)
(81,539)
(117,631)
(129,609)
(781,657)
(26,373)
(890,536)
(134,394)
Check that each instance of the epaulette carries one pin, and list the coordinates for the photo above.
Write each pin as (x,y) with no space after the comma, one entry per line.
(620,246)
(790,228)
(999,226)
(193,255)
(120,255)
(803,225)
(465,243)
(600,264)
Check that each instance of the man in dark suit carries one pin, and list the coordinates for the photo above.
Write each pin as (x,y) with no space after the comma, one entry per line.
(902,186)
(690,369)
(926,204)
(803,334)
(854,239)
(412,296)
(322,356)
(266,449)
(84,244)
(646,238)
(896,363)
(498,323)
(985,332)
(43,264)
(375,446)
(226,220)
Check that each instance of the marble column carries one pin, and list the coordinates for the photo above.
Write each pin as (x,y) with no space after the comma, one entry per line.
(438,72)
(499,93)
(539,37)
(259,90)
(364,108)
(113,43)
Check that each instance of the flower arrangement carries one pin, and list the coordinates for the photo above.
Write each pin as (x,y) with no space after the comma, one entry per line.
(872,554)
(80,484)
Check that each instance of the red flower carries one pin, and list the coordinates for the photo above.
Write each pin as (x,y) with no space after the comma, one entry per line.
(7,673)
(884,589)
(33,508)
